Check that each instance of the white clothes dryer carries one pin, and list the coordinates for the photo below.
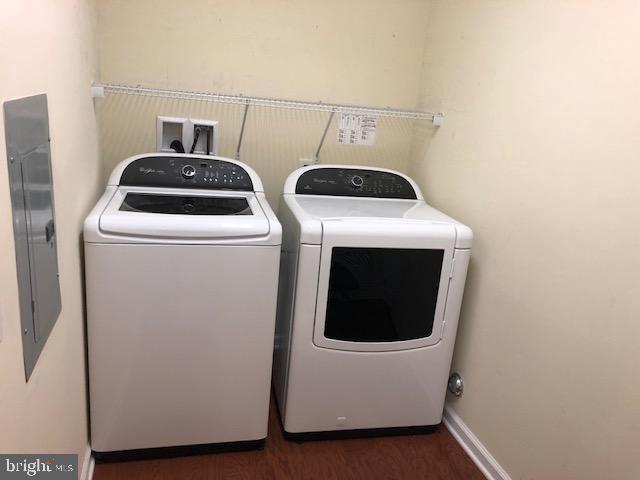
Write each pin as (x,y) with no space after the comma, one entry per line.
(371,284)
(182,255)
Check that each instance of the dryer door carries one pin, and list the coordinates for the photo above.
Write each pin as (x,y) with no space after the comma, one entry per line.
(382,284)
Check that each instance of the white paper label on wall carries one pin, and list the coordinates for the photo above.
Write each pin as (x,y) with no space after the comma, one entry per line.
(357,129)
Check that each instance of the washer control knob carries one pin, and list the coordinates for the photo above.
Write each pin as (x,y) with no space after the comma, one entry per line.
(188,171)
(357,181)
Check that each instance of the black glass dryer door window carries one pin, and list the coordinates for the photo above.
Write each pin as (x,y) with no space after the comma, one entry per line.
(185,205)
(382,294)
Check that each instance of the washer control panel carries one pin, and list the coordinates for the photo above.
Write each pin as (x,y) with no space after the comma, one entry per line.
(185,172)
(354,182)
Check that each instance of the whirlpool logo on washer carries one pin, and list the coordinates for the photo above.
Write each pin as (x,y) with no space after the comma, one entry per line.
(146,170)
(53,467)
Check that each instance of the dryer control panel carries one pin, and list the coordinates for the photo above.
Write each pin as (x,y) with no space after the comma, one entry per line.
(354,182)
(186,172)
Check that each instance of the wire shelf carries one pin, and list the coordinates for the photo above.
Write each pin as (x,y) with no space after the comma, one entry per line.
(435,117)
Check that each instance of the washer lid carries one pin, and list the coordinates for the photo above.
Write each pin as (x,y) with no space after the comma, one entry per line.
(183,213)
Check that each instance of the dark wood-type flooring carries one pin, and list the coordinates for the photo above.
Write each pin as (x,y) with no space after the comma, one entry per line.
(432,456)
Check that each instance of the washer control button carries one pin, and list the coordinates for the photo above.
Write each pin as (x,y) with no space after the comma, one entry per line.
(357,181)
(188,171)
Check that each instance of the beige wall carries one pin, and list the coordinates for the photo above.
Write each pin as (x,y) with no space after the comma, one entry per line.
(49,49)
(358,52)
(539,153)
(362,52)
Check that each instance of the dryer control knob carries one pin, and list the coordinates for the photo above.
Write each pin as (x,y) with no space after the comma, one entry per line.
(188,171)
(357,181)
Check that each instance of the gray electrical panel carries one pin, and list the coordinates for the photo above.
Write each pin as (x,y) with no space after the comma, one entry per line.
(26,123)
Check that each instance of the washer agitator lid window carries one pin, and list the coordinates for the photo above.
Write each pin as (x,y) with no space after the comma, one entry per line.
(183,214)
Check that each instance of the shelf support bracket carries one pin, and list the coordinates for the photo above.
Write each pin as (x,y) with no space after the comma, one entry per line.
(316,157)
(244,121)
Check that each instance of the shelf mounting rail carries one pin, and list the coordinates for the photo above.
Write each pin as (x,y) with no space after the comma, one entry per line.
(435,117)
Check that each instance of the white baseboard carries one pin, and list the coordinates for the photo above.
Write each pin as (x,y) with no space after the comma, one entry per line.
(488,465)
(88,462)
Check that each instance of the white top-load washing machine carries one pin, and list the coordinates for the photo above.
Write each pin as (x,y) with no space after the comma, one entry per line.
(371,283)
(182,256)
